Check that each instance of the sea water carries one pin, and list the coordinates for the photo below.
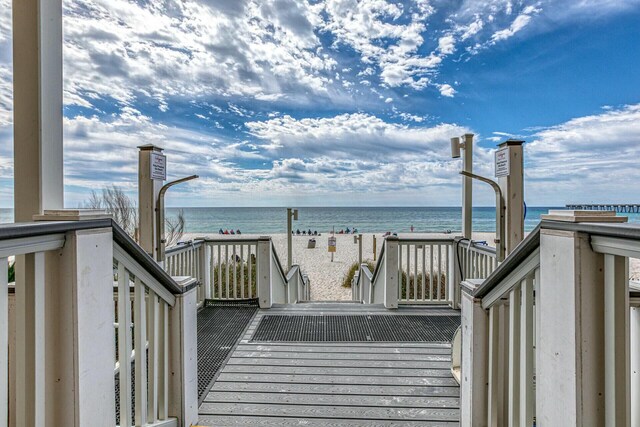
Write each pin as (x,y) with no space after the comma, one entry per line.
(325,219)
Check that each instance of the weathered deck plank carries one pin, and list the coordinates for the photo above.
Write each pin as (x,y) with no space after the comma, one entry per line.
(324,370)
(334,399)
(335,383)
(249,421)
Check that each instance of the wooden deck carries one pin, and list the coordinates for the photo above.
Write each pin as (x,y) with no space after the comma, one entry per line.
(334,384)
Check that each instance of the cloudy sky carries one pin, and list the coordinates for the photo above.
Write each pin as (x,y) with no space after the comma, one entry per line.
(345,102)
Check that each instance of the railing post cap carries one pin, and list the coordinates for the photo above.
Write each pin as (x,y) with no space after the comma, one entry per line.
(71,215)
(263,238)
(392,237)
(149,147)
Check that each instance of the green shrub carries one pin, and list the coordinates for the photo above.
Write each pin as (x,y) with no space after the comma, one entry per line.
(12,272)
(415,292)
(346,280)
(220,288)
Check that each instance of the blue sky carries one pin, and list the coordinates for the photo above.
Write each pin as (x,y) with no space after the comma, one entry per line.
(345,102)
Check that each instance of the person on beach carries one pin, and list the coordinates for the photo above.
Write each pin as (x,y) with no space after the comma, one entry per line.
(412,228)
(221,231)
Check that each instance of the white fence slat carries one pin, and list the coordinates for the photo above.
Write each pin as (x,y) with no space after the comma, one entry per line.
(527,397)
(124,344)
(163,362)
(514,356)
(616,337)
(152,328)
(4,343)
(140,337)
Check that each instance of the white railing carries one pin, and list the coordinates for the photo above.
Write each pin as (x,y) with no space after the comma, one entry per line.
(511,307)
(477,260)
(57,321)
(423,271)
(22,400)
(146,312)
(228,269)
(555,331)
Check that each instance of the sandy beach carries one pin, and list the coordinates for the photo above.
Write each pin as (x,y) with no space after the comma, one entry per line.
(326,276)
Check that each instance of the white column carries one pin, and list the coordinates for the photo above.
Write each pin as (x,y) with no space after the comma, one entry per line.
(512,187)
(474,375)
(570,387)
(148,190)
(467,186)
(263,272)
(79,331)
(392,273)
(183,359)
(37,107)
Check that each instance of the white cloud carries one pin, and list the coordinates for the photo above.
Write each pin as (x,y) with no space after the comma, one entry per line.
(446,90)
(591,158)
(521,21)
(446,44)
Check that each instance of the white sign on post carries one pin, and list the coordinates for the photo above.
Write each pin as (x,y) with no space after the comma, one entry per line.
(502,162)
(158,166)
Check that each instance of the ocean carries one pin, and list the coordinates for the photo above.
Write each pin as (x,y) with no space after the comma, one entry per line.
(325,219)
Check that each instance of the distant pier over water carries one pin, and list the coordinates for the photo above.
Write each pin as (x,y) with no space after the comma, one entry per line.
(621,208)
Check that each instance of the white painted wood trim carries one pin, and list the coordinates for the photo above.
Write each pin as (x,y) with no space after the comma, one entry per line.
(140,337)
(124,344)
(527,395)
(616,246)
(514,355)
(4,343)
(523,270)
(616,341)
(123,257)
(28,245)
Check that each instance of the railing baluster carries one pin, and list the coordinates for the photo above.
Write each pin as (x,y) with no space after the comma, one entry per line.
(431,273)
(494,368)
(424,271)
(219,250)
(439,273)
(163,362)
(124,344)
(4,342)
(448,278)
(242,271)
(226,267)
(140,336)
(235,281)
(527,396)
(616,337)
(249,268)
(514,356)
(400,272)
(408,287)
(152,388)
(415,272)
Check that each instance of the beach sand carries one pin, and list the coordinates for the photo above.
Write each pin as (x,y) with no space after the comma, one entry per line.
(326,277)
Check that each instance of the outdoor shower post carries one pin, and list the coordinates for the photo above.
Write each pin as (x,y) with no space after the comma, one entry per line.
(149,184)
(510,179)
(467,186)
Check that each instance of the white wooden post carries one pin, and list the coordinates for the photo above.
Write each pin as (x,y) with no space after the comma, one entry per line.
(148,190)
(183,356)
(570,388)
(392,273)
(474,375)
(263,272)
(635,364)
(37,107)
(78,337)
(205,269)
(467,186)
(616,341)
(454,277)
(512,187)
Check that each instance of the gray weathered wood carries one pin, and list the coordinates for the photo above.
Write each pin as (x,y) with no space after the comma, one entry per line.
(350,356)
(245,421)
(375,349)
(334,399)
(384,390)
(335,379)
(323,370)
(402,364)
